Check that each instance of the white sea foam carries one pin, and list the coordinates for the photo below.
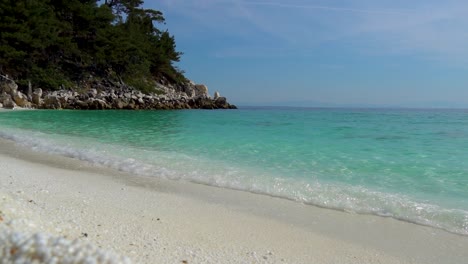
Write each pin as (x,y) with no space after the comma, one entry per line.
(176,166)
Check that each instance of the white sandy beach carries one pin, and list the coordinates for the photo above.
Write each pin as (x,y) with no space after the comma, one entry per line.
(160,221)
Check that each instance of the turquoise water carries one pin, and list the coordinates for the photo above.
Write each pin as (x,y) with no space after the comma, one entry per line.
(411,165)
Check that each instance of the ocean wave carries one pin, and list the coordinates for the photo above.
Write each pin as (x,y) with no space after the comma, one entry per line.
(178,166)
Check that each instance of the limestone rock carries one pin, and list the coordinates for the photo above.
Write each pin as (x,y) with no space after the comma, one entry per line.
(8,86)
(98,104)
(81,105)
(9,103)
(36,96)
(20,99)
(201,90)
(106,95)
(189,90)
(52,102)
(29,94)
(4,96)
(63,99)
(206,103)
(221,102)
(132,106)
(83,97)
(119,104)
(92,93)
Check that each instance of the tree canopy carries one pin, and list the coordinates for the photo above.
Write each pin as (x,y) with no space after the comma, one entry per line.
(54,43)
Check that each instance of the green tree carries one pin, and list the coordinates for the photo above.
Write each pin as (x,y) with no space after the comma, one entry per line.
(62,42)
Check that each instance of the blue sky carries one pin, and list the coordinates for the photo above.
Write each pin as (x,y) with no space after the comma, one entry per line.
(338,52)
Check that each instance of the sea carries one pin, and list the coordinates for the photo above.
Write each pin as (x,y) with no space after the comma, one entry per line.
(408,164)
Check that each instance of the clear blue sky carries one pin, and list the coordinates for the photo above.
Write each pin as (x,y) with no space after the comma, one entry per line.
(343,52)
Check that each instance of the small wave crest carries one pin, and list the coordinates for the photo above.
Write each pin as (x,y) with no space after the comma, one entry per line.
(177,166)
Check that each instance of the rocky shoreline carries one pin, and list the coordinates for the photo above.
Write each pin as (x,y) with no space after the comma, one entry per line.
(105,94)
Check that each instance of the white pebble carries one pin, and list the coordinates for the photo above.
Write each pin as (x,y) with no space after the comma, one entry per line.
(18,247)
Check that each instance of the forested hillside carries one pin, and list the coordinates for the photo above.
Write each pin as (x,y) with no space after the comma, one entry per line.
(56,44)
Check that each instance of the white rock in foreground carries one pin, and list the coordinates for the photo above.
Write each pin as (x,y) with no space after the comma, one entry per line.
(25,238)
(16,247)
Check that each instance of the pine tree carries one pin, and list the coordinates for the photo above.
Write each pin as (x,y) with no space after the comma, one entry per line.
(55,43)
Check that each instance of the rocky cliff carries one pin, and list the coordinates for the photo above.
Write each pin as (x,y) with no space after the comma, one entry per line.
(105,94)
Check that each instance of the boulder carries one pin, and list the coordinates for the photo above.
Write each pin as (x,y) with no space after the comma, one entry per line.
(216,95)
(8,86)
(20,99)
(81,105)
(98,104)
(221,102)
(63,99)
(201,90)
(52,102)
(1,105)
(4,96)
(36,96)
(189,90)
(132,106)
(119,104)
(29,91)
(204,103)
(9,103)
(92,93)
(102,95)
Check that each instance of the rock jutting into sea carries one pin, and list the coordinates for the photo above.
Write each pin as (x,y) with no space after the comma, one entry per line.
(105,94)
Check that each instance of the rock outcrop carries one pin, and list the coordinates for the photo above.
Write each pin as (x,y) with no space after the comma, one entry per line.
(108,95)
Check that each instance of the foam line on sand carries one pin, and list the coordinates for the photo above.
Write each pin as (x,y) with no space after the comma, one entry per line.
(52,198)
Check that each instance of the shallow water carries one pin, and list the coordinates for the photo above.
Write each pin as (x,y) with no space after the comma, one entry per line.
(407,164)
